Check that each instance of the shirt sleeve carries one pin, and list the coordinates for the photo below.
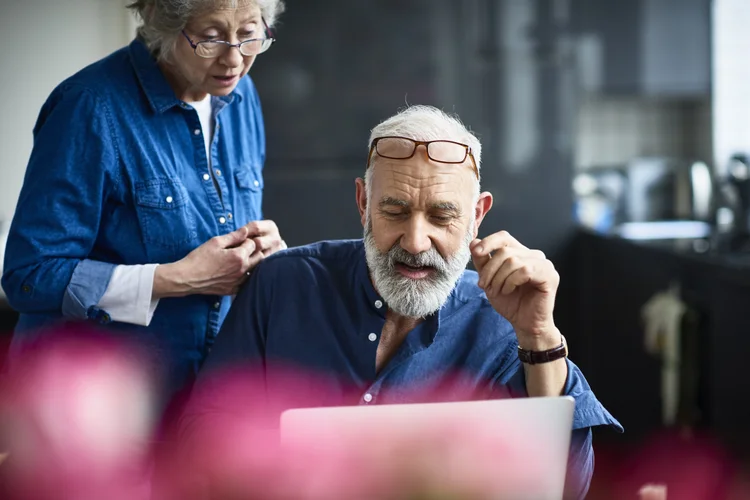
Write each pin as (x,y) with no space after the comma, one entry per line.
(580,464)
(68,178)
(128,295)
(242,338)
(589,412)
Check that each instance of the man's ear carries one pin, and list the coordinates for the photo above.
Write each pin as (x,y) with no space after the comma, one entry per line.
(361,192)
(484,204)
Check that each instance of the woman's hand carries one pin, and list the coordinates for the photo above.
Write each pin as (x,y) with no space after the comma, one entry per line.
(217,267)
(266,236)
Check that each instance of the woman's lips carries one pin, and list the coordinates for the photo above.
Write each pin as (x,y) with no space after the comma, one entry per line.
(226,81)
(416,273)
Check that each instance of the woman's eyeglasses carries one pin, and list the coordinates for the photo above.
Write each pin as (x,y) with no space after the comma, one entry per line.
(214,48)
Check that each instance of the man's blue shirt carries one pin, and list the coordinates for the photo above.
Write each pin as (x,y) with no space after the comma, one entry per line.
(315,308)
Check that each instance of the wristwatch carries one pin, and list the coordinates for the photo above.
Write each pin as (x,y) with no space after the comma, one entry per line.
(538,357)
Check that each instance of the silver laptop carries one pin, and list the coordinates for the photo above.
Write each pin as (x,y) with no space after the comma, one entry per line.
(532,436)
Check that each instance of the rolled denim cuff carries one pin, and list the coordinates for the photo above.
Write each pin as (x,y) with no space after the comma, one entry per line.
(85,289)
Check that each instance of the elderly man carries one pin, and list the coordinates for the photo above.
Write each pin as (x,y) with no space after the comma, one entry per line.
(398,309)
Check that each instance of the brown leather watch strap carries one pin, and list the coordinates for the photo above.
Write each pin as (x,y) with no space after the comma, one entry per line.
(538,357)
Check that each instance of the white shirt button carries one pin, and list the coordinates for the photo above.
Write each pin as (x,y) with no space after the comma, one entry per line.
(256,183)
(222,220)
(169,199)
(378,304)
(217,305)
(197,131)
(367,397)
(372,337)
(206,177)
(218,173)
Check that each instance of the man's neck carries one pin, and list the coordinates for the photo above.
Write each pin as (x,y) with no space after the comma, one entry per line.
(401,325)
(395,330)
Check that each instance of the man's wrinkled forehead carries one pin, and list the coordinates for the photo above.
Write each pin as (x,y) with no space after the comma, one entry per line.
(409,179)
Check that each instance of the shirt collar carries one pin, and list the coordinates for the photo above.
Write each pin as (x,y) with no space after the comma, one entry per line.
(160,95)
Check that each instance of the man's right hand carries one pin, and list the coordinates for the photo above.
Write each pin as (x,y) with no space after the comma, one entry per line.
(217,267)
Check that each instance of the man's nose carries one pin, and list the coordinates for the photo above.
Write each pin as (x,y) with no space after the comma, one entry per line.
(416,238)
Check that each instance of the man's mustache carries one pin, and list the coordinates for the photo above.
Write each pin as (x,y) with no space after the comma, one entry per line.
(430,258)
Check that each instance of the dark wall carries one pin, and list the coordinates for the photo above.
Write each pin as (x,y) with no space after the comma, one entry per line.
(340,67)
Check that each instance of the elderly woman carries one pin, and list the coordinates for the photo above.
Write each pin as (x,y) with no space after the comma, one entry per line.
(141,206)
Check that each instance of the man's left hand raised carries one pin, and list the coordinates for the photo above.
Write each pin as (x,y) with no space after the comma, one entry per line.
(521,285)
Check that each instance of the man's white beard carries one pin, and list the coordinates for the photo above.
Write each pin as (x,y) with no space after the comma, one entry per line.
(415,298)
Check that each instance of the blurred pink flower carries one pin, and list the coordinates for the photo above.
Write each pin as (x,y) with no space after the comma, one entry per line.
(653,492)
(78,412)
(234,450)
(685,467)
(77,417)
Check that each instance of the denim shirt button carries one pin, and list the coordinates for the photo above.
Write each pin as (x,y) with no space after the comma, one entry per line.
(217,305)
(206,177)
(197,131)
(222,220)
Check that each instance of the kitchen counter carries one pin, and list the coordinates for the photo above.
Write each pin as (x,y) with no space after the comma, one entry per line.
(605,283)
(732,266)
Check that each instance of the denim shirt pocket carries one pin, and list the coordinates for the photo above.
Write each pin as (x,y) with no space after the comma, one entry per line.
(249,192)
(166,221)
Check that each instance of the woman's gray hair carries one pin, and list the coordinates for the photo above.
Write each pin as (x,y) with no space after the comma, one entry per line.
(163,20)
(425,123)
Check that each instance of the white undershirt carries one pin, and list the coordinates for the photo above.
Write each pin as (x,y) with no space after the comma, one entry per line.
(205,115)
(128,295)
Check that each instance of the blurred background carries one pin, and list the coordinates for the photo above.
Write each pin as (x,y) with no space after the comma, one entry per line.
(615,139)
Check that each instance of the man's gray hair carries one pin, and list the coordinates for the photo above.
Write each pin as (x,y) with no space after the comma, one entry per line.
(163,20)
(425,123)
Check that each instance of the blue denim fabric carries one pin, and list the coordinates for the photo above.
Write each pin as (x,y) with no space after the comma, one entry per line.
(117,175)
(315,308)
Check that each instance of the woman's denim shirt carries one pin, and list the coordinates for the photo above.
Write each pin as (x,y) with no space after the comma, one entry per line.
(118,175)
